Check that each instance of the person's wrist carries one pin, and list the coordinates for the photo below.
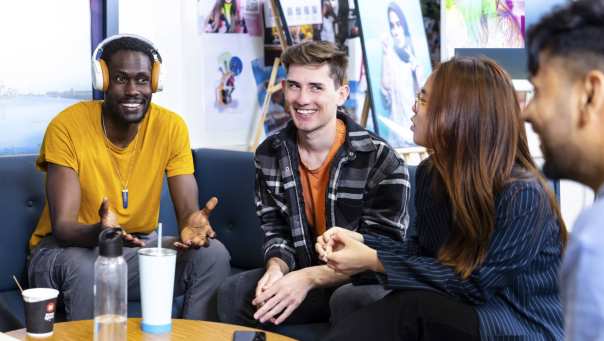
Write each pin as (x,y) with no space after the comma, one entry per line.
(374,261)
(274,268)
(276,264)
(308,278)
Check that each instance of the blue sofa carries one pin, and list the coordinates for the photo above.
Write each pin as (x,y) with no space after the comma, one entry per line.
(228,175)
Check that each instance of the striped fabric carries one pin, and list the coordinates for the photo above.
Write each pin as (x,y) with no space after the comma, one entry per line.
(515,290)
(368,192)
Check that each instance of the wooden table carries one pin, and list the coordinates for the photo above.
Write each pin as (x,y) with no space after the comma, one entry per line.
(189,330)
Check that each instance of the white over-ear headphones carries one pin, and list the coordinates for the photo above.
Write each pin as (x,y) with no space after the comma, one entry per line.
(100,71)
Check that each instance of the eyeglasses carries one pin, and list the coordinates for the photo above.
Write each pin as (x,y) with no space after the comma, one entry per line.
(419,100)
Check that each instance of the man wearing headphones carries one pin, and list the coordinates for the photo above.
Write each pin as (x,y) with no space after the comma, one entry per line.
(105,163)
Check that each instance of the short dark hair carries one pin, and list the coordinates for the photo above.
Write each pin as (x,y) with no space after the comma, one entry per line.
(129,44)
(317,53)
(576,29)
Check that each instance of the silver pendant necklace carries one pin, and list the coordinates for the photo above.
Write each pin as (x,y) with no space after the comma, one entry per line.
(116,166)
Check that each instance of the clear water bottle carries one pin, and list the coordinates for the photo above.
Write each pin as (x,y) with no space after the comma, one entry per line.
(110,288)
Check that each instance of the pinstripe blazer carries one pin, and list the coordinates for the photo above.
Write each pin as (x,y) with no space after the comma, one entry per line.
(368,191)
(515,291)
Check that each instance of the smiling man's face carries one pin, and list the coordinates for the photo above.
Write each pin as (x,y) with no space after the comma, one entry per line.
(312,96)
(552,112)
(129,93)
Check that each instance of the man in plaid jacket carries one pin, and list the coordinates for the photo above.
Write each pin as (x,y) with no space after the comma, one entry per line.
(321,172)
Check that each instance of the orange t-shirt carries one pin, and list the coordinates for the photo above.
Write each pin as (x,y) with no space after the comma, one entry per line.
(315,181)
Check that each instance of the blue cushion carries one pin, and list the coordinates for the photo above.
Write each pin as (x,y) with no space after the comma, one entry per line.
(13,302)
(229,176)
(167,215)
(21,203)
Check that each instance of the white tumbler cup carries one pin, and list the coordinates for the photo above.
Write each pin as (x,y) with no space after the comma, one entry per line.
(156,271)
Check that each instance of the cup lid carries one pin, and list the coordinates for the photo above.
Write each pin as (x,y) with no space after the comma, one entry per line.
(39,294)
(157,252)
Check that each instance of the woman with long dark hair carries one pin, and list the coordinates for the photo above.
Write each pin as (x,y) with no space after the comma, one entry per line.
(482,260)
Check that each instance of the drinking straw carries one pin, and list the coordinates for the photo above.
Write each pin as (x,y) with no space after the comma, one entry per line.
(159,234)
(19,285)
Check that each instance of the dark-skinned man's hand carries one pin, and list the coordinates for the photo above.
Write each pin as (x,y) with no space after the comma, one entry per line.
(197,230)
(108,219)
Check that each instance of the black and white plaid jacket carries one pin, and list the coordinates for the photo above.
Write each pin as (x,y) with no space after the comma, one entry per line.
(368,192)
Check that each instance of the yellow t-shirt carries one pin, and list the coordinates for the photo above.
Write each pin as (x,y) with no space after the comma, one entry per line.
(75,139)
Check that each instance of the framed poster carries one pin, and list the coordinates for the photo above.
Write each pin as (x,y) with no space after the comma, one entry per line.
(397,63)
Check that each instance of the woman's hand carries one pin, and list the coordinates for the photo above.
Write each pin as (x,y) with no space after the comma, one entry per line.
(324,245)
(350,256)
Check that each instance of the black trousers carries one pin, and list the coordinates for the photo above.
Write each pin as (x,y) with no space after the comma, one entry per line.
(320,305)
(410,315)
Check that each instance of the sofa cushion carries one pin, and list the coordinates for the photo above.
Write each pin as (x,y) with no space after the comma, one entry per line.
(229,176)
(12,302)
(167,216)
(21,202)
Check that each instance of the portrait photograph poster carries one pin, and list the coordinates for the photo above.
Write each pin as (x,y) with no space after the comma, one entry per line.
(481,24)
(228,82)
(33,92)
(398,63)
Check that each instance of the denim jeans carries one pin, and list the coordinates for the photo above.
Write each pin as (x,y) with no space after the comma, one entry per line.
(199,273)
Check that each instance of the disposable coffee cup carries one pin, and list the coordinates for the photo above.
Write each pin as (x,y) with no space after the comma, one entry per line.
(40,306)
(156,271)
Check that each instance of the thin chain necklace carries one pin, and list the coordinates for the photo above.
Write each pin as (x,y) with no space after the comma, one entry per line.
(116,166)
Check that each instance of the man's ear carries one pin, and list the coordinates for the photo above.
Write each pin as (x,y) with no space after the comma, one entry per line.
(343,93)
(592,101)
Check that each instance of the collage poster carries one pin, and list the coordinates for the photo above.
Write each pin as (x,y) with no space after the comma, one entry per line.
(228,82)
(481,24)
